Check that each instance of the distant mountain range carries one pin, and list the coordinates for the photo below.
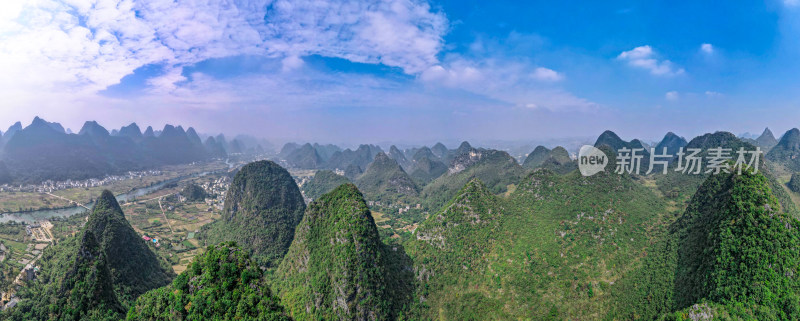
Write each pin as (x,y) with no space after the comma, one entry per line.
(45,151)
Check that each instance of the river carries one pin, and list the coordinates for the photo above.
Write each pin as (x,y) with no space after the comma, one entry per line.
(32,216)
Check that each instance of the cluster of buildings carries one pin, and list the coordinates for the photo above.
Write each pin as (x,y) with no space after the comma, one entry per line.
(218,188)
(153,239)
(50,186)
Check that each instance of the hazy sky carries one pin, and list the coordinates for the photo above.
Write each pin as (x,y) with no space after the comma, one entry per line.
(404,70)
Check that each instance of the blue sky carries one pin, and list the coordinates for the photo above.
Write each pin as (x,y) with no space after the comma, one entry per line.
(405,70)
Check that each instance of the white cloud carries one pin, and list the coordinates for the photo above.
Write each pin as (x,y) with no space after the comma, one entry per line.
(545,74)
(645,58)
(707,48)
(672,95)
(79,47)
(791,3)
(713,94)
(291,63)
(514,83)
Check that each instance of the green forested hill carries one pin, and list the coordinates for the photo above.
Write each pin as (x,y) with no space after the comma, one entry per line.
(731,255)
(134,268)
(787,150)
(553,249)
(384,180)
(323,182)
(221,284)
(262,208)
(337,268)
(95,275)
(494,168)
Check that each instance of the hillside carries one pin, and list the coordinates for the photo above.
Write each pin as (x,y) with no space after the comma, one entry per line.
(385,180)
(360,157)
(766,140)
(94,275)
(427,169)
(83,288)
(610,139)
(450,250)
(672,143)
(730,255)
(787,151)
(135,269)
(553,248)
(304,157)
(495,168)
(536,157)
(262,208)
(556,160)
(337,268)
(221,284)
(323,182)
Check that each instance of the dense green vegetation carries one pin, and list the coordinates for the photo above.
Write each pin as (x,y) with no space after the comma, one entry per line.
(794,183)
(262,208)
(787,151)
(222,284)
(134,267)
(495,241)
(385,180)
(193,193)
(494,168)
(732,255)
(94,275)
(323,182)
(337,267)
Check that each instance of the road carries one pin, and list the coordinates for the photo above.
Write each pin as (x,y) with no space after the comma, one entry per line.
(165,214)
(68,200)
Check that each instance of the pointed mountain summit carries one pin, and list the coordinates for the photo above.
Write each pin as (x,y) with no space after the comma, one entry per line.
(610,139)
(287,149)
(536,157)
(398,155)
(439,150)
(672,142)
(135,269)
(229,284)
(326,151)
(94,130)
(131,131)
(787,151)
(262,208)
(766,140)
(360,157)
(193,137)
(305,157)
(13,129)
(615,143)
(385,179)
(353,284)
(464,148)
(213,148)
(148,132)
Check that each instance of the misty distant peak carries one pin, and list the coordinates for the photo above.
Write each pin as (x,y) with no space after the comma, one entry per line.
(92,128)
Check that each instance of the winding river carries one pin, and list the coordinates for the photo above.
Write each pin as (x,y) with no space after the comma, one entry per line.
(32,216)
